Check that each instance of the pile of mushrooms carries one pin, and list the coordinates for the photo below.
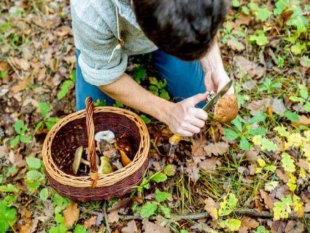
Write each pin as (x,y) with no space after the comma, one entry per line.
(114,153)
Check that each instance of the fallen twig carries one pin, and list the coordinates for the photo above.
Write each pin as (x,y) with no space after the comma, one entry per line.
(247,212)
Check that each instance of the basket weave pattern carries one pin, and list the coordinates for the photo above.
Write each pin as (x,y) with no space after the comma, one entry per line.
(71,132)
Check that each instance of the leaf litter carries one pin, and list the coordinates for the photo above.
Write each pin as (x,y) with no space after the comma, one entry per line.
(37,56)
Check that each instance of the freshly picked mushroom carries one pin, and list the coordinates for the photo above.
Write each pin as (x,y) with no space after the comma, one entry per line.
(124,143)
(226,109)
(105,165)
(115,160)
(106,135)
(78,160)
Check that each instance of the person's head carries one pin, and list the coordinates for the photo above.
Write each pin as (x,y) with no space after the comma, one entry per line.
(183,28)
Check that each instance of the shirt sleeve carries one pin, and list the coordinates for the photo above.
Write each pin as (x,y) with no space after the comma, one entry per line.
(101,60)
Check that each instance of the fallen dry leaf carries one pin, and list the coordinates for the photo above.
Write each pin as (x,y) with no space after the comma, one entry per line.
(219,148)
(210,164)
(268,199)
(20,63)
(130,228)
(259,106)
(71,214)
(26,222)
(246,67)
(211,207)
(303,120)
(90,222)
(294,227)
(249,223)
(113,216)
(198,145)
(150,227)
(193,172)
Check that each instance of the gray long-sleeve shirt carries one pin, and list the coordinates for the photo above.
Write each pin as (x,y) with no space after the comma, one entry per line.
(99,26)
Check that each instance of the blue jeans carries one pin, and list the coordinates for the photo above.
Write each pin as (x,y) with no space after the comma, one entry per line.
(184,79)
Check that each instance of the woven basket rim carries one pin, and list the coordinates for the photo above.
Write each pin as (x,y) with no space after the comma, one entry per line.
(104,179)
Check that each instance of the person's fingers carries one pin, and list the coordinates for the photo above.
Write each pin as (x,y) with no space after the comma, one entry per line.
(208,80)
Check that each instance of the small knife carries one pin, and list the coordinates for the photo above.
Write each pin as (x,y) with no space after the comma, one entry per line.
(222,92)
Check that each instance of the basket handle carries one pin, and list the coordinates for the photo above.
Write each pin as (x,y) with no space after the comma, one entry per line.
(91,140)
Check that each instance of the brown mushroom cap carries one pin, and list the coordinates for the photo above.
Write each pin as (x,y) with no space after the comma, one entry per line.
(226,109)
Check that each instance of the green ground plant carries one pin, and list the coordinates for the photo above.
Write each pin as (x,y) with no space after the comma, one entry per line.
(47,122)
(21,130)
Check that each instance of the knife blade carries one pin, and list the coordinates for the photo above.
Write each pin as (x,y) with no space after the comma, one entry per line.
(214,100)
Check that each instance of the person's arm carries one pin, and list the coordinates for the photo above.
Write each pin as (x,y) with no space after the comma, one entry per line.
(215,74)
(183,118)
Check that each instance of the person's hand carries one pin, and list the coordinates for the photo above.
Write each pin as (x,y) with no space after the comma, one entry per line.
(215,75)
(215,80)
(184,118)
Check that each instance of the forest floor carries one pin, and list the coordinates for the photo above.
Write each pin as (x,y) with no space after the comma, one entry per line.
(249,175)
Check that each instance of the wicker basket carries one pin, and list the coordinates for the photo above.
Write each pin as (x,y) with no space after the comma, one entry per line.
(78,129)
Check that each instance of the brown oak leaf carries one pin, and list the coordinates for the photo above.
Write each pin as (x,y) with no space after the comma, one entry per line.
(71,214)
(219,148)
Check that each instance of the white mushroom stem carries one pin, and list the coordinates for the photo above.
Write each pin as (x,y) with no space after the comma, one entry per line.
(107,135)
(84,161)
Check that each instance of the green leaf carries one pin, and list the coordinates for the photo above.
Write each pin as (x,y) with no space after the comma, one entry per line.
(288,162)
(165,210)
(139,73)
(34,163)
(265,143)
(80,229)
(282,208)
(60,203)
(148,209)
(159,177)
(259,38)
(164,94)
(145,119)
(307,106)
(44,194)
(261,229)
(259,131)
(9,200)
(228,204)
(59,218)
(25,139)
(61,228)
(39,126)
(260,117)
(170,169)
(235,3)
(15,141)
(162,196)
(281,5)
(64,89)
(303,91)
(244,144)
(237,122)
(291,116)
(8,216)
(18,125)
(231,224)
(9,188)
(230,134)
(50,122)
(34,175)
(44,108)
(282,131)
(263,14)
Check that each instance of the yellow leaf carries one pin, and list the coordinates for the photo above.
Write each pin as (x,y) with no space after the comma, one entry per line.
(302,173)
(294,140)
(71,214)
(291,184)
(306,150)
(288,162)
(261,162)
(298,206)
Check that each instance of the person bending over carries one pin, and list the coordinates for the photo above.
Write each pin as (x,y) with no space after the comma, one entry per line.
(180,34)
